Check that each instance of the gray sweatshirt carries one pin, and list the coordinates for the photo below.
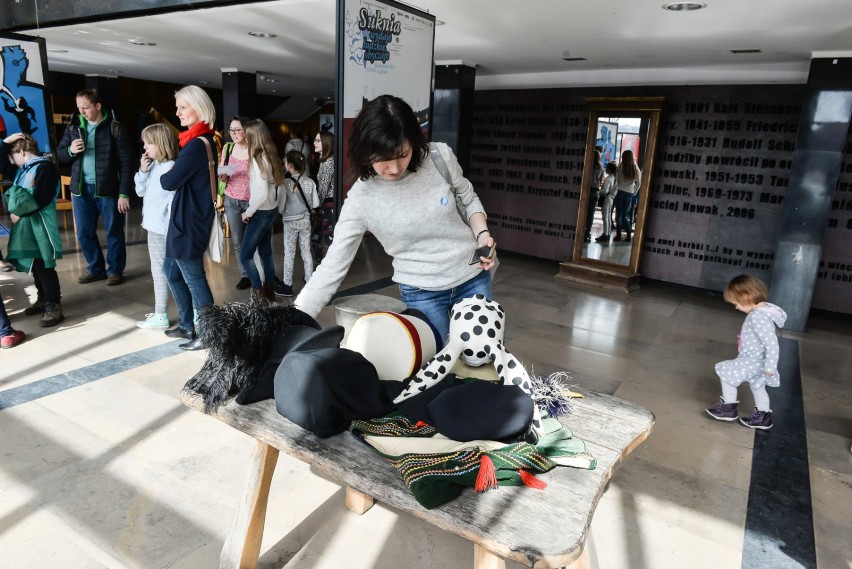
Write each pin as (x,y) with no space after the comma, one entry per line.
(416,221)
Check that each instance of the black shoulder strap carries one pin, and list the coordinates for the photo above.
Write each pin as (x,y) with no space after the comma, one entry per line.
(301,193)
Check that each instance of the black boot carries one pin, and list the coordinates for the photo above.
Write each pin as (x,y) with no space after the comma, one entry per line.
(617,236)
(628,236)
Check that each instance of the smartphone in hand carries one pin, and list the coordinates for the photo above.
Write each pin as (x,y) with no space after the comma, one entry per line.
(484,251)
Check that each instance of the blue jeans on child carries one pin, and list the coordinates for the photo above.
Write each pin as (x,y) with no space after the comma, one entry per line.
(258,237)
(87,209)
(5,324)
(436,304)
(189,287)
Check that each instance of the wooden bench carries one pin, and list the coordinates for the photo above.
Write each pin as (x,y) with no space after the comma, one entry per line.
(536,528)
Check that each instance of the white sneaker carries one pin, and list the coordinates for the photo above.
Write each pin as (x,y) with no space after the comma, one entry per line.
(154,321)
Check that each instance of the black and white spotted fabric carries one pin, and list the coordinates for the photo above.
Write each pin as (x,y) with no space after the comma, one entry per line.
(476,336)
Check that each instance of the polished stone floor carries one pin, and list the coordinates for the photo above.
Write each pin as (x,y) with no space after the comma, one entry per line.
(102,467)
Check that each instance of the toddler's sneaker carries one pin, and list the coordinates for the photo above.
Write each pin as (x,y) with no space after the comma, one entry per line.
(53,315)
(154,320)
(758,420)
(724,411)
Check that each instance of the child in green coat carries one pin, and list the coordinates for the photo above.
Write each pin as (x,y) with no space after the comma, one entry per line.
(34,244)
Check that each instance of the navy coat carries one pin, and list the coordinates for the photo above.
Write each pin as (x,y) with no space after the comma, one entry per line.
(192,208)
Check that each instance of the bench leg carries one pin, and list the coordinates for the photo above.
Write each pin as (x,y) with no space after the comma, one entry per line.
(589,558)
(484,559)
(356,501)
(242,546)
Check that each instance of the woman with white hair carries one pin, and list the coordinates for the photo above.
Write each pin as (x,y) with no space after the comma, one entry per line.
(192,212)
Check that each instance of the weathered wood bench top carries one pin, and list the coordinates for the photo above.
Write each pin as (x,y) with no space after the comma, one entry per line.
(537,528)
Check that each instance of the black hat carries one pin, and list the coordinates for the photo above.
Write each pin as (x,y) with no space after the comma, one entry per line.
(293,338)
(324,390)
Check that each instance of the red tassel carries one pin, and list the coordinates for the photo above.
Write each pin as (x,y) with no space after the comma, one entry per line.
(420,424)
(530,480)
(486,478)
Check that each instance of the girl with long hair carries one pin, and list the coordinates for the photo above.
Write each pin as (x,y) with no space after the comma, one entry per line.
(324,146)
(266,174)
(628,179)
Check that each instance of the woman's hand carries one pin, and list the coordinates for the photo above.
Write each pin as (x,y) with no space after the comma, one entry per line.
(245,217)
(13,217)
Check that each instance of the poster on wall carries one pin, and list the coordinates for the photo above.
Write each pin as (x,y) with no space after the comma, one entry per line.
(24,96)
(606,138)
(383,47)
(326,123)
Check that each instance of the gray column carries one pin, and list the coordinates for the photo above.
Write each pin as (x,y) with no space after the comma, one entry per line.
(239,95)
(826,110)
(452,111)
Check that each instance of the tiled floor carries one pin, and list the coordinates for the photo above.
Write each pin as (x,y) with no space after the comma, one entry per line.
(102,467)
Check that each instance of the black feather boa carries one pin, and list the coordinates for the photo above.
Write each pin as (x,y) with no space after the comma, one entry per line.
(239,337)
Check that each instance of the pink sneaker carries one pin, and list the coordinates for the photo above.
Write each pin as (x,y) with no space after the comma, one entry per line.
(12,340)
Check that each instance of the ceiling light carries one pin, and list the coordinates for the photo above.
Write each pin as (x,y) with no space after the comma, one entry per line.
(270,80)
(58,50)
(750,50)
(114,71)
(684,6)
(141,42)
(203,82)
(439,22)
(262,35)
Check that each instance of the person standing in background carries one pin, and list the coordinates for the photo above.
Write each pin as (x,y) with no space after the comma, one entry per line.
(266,174)
(161,148)
(324,147)
(627,181)
(235,154)
(34,244)
(296,143)
(594,194)
(302,199)
(192,212)
(102,157)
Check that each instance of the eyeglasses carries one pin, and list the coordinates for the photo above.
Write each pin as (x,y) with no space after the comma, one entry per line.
(233,130)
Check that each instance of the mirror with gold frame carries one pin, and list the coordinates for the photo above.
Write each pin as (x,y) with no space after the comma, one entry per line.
(616,124)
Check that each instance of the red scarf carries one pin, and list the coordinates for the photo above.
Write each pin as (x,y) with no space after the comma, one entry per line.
(194,131)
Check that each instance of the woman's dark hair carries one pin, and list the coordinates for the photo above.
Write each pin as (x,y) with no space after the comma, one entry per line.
(379,133)
(327,142)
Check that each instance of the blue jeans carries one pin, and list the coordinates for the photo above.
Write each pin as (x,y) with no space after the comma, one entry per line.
(436,304)
(5,324)
(87,209)
(234,209)
(622,211)
(258,237)
(189,287)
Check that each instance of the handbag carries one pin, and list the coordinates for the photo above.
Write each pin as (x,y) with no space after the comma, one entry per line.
(216,244)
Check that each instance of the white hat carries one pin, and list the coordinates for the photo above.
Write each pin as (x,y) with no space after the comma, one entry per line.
(396,344)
